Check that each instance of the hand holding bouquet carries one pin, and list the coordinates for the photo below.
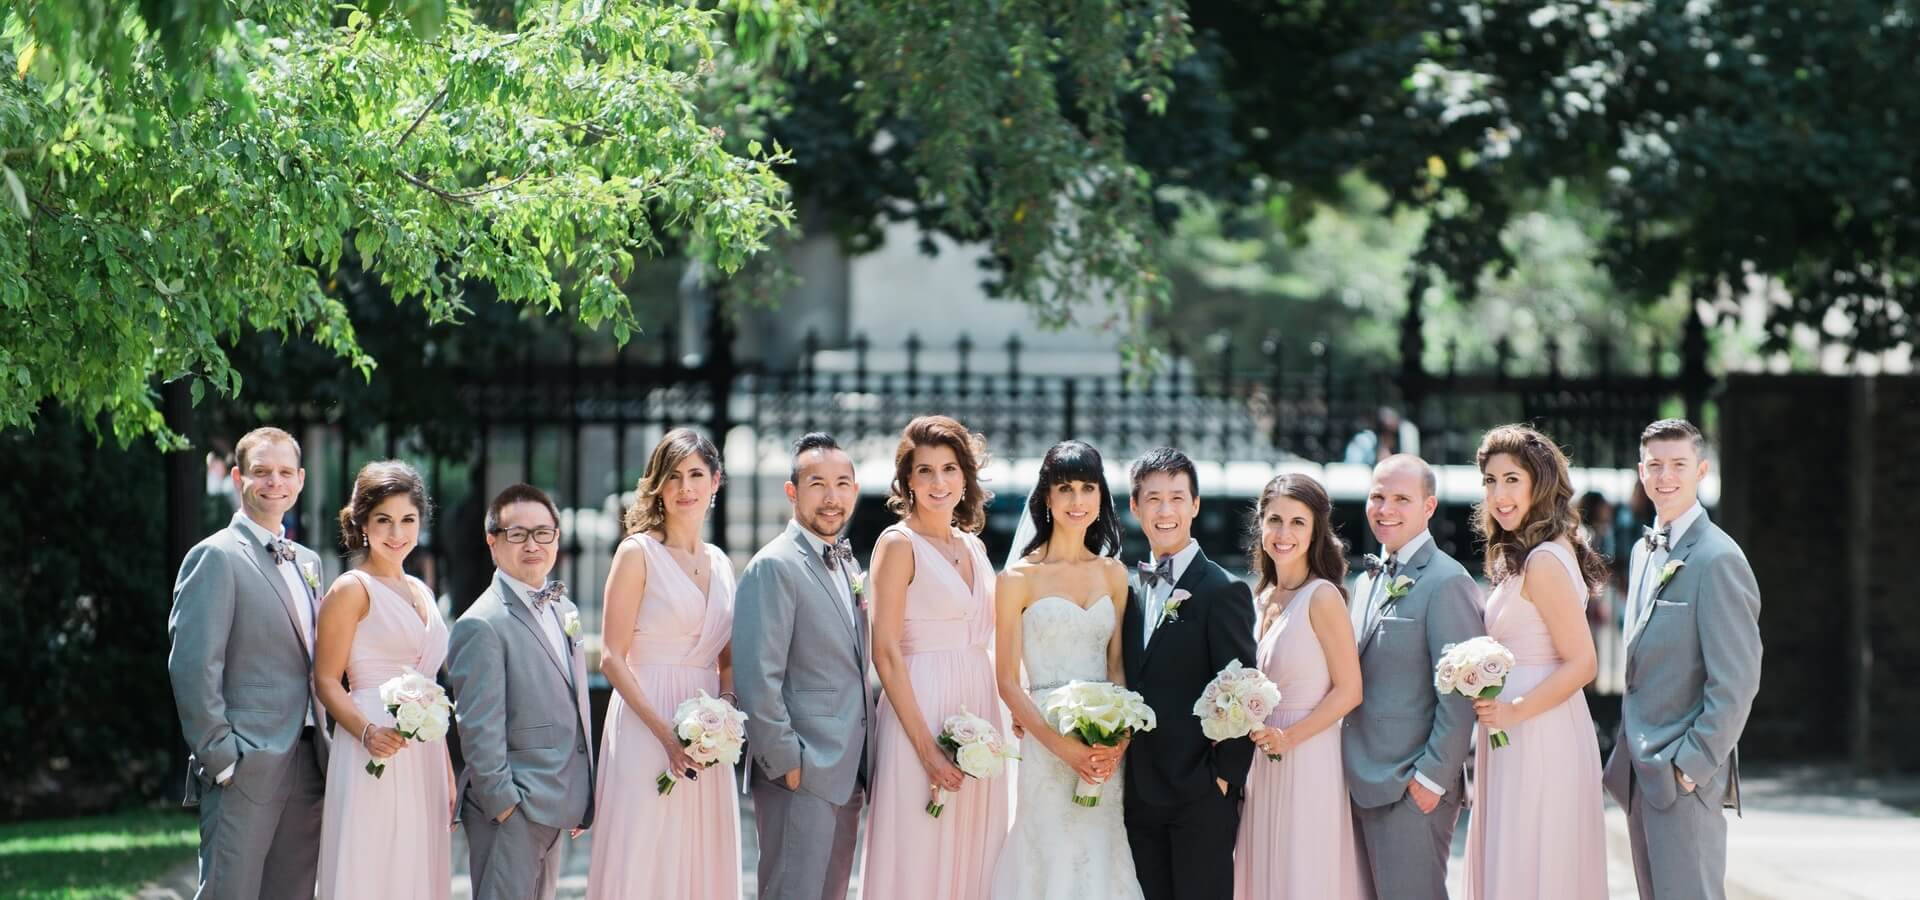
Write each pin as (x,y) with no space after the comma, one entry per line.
(974,746)
(1235,702)
(712,731)
(1098,714)
(420,708)
(1476,669)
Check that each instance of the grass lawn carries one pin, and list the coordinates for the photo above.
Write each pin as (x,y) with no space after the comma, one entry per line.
(97,857)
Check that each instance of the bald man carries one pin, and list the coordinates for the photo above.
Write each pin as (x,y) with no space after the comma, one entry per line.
(1405,747)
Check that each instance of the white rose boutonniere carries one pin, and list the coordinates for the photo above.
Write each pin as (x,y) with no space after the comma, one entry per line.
(571,624)
(1671,569)
(1171,612)
(857,582)
(1398,589)
(311,574)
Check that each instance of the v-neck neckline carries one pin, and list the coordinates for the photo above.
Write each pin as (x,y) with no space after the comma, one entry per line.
(686,579)
(972,587)
(412,603)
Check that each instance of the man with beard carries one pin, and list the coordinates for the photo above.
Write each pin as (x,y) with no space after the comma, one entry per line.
(800,665)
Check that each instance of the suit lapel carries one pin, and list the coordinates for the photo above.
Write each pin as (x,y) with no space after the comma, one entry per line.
(817,567)
(1414,569)
(1198,571)
(257,555)
(520,610)
(1680,552)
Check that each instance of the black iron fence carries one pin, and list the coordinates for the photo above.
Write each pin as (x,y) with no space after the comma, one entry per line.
(582,426)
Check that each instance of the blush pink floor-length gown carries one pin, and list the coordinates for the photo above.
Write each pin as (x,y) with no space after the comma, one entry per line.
(1537,828)
(1296,829)
(683,845)
(949,628)
(390,836)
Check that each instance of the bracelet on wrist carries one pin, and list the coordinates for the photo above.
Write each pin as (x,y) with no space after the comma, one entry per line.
(363,735)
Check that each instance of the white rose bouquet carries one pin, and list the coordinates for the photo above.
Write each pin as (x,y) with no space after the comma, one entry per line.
(712,731)
(420,707)
(1099,714)
(1476,669)
(975,746)
(1235,702)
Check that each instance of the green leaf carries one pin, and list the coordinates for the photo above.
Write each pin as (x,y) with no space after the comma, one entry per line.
(16,193)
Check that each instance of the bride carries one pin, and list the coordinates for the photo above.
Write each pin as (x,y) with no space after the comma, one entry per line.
(1060,604)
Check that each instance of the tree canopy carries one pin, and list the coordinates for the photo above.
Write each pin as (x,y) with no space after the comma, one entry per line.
(174,186)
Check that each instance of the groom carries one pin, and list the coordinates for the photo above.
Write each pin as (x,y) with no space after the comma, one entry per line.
(519,678)
(800,666)
(1693,667)
(1186,619)
(241,664)
(1405,747)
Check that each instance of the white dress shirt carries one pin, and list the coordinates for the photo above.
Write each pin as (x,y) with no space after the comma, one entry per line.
(1640,595)
(836,577)
(549,618)
(1157,598)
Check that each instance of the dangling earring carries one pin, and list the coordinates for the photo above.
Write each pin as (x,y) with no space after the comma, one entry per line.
(713,501)
(1047,514)
(365,541)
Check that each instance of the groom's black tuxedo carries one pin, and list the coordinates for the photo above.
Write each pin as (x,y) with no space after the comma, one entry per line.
(1176,817)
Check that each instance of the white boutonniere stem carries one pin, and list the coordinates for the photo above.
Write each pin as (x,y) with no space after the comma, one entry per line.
(1671,569)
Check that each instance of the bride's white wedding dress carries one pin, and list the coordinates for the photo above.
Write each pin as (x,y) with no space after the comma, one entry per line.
(1059,850)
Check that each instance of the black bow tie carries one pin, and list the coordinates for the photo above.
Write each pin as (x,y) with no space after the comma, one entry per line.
(546,595)
(838,555)
(1157,572)
(281,550)
(1660,538)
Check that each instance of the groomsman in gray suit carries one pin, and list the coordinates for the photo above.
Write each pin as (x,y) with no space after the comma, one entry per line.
(520,681)
(241,663)
(800,666)
(1693,667)
(1405,746)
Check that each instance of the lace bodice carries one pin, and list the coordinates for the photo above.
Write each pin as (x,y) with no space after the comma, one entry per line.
(1061,642)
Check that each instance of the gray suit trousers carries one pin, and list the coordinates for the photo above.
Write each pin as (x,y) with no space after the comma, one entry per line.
(267,848)
(1680,851)
(806,843)
(518,859)
(1403,852)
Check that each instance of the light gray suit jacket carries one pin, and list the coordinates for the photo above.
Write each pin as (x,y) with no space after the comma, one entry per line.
(800,668)
(1403,725)
(522,713)
(241,672)
(1693,668)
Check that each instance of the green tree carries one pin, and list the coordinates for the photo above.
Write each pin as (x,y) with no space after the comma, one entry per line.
(174,187)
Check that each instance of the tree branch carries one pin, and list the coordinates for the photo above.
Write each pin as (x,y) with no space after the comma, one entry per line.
(422,117)
(460,196)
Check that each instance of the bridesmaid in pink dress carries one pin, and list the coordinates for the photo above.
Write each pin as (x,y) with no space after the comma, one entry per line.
(933,623)
(1537,827)
(1296,831)
(668,621)
(387,836)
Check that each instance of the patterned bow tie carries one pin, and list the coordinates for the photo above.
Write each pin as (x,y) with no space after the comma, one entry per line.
(281,550)
(839,556)
(546,595)
(1660,539)
(1377,564)
(1157,572)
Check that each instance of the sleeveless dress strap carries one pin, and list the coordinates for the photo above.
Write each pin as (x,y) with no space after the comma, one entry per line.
(1566,558)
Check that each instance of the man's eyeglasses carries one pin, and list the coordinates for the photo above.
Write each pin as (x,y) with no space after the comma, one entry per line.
(516,535)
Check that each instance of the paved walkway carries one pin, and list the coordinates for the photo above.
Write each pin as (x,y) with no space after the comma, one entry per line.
(1808,834)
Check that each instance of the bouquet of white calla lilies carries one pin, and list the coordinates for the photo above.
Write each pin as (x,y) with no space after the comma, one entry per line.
(1099,714)
(420,707)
